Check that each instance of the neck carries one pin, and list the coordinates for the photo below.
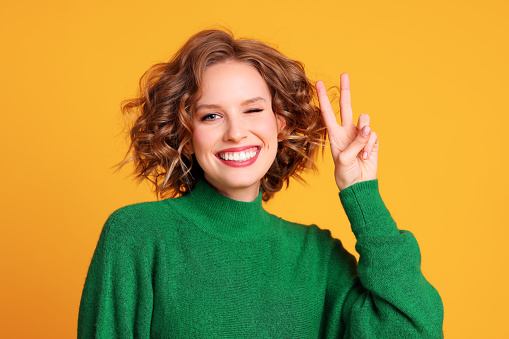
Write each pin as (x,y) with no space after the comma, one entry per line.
(225,217)
(245,194)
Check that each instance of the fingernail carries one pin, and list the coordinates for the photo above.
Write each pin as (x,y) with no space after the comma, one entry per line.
(365,155)
(365,131)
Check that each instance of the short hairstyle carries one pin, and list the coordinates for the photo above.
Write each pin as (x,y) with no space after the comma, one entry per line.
(161,115)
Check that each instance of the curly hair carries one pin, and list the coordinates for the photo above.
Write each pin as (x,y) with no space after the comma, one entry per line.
(161,114)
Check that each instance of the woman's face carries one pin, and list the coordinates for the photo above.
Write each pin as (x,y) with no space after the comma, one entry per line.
(235,136)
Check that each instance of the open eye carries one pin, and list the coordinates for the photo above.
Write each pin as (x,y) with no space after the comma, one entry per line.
(210,116)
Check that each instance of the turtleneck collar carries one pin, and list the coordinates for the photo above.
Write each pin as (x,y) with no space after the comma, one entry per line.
(225,217)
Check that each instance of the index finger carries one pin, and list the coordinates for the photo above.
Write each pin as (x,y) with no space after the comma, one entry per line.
(325,107)
(345,104)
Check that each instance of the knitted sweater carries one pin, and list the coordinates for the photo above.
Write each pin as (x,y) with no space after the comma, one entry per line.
(206,266)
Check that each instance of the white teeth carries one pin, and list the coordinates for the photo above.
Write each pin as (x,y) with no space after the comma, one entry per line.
(238,156)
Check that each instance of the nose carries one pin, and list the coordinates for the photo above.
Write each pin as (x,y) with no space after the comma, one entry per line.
(235,130)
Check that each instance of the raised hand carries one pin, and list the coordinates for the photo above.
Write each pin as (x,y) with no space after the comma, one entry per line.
(354,148)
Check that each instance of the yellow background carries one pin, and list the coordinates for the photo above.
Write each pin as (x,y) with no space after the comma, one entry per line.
(433,75)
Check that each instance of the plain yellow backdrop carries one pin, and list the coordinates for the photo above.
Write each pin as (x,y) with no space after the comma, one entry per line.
(433,75)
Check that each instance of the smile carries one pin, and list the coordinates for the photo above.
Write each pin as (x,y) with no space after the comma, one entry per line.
(239,156)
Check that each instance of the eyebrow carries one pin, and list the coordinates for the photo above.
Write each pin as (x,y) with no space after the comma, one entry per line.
(244,103)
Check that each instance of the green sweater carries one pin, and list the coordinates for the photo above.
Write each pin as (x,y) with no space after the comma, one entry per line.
(206,266)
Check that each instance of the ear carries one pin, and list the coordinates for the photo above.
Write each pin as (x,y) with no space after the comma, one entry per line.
(281,123)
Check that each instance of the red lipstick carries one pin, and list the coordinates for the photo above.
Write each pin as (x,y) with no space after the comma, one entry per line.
(238,149)
(236,163)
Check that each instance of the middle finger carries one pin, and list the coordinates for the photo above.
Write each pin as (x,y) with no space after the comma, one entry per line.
(345,103)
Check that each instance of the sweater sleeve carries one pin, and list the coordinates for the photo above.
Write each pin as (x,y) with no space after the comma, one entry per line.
(117,297)
(387,296)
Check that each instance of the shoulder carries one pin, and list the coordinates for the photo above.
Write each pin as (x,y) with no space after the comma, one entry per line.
(138,222)
(316,244)
(143,211)
(312,230)
(311,236)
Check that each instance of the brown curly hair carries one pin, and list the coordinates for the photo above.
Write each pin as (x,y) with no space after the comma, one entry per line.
(161,115)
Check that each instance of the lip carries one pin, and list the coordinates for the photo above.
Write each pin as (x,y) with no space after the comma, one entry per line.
(239,149)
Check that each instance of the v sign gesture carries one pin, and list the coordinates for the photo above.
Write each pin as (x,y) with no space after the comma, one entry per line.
(354,148)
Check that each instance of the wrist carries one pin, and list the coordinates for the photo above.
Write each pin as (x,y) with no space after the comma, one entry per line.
(343,185)
(365,209)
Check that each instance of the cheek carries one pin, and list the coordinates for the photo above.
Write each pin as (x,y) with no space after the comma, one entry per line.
(267,131)
(268,128)
(201,141)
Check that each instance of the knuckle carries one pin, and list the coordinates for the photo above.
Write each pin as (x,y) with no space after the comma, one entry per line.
(377,139)
(342,159)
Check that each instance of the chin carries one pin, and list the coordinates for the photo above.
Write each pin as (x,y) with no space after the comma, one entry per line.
(233,183)
(241,184)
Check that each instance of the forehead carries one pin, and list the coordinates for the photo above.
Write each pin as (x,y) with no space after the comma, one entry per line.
(232,82)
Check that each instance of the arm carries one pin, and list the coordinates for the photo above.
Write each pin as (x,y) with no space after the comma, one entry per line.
(391,298)
(117,297)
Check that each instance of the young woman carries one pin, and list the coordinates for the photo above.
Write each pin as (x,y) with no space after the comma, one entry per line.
(219,128)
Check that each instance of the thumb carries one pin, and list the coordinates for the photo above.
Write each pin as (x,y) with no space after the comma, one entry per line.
(357,145)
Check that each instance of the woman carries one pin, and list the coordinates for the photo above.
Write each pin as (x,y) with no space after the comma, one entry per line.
(220,127)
